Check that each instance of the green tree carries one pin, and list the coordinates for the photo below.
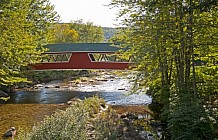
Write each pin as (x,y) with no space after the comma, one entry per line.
(62,33)
(165,37)
(23,26)
(88,32)
(75,32)
(120,36)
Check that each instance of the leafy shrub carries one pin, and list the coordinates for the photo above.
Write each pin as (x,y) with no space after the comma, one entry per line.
(83,120)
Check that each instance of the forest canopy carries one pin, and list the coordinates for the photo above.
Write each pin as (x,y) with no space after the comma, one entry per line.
(176,48)
(23,28)
(75,32)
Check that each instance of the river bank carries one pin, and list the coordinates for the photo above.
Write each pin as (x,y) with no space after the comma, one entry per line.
(25,116)
(23,112)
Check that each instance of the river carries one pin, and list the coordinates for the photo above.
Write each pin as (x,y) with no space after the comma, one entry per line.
(114,91)
(28,106)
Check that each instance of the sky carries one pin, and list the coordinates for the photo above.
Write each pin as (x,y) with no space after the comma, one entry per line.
(88,10)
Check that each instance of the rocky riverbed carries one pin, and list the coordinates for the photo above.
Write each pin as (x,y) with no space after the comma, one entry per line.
(31,105)
(115,90)
(24,116)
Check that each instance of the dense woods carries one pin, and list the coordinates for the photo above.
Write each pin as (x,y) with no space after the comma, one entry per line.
(175,44)
(75,32)
(23,27)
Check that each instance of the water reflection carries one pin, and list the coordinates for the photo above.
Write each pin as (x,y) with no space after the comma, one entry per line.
(46,96)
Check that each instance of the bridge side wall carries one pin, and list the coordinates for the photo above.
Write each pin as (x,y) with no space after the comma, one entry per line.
(81,60)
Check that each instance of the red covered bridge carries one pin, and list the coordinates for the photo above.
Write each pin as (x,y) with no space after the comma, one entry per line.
(82,56)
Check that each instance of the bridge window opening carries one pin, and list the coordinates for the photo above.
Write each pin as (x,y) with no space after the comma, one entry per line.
(112,57)
(103,57)
(94,56)
(97,57)
(47,58)
(132,59)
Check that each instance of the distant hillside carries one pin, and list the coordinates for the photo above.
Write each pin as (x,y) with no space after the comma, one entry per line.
(108,33)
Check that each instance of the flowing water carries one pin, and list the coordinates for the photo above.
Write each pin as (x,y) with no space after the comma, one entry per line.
(114,91)
(26,107)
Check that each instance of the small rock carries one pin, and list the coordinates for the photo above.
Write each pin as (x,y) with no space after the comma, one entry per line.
(38,85)
(104,80)
(57,86)
(10,133)
(83,80)
(141,116)
(121,88)
(70,102)
(73,101)
(48,86)
(70,82)
(123,115)
(103,107)
(101,79)
(112,76)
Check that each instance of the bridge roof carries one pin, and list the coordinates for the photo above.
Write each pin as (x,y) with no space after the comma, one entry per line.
(82,47)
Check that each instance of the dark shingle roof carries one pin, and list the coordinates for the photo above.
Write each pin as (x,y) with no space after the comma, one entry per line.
(82,47)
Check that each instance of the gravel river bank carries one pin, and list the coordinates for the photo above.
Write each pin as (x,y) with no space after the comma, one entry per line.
(28,106)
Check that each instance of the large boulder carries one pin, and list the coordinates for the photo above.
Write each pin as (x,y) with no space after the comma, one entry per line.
(3,94)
